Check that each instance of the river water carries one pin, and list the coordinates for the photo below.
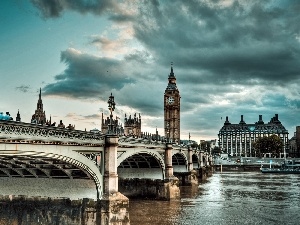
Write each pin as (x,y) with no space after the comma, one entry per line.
(228,198)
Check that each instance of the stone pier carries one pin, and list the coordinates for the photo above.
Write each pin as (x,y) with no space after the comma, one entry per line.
(170,188)
(159,189)
(210,167)
(202,175)
(192,179)
(189,178)
(113,205)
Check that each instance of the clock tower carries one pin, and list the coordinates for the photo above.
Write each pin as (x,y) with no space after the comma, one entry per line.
(172,110)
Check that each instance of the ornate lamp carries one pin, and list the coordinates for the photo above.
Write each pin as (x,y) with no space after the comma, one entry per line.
(111,108)
(168,132)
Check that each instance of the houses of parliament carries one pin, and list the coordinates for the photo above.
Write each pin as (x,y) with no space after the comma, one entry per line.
(132,123)
(234,139)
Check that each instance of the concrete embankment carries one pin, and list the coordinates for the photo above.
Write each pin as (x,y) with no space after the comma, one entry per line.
(234,168)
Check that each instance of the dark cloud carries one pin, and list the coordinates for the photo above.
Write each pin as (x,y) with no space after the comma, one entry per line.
(142,57)
(55,8)
(230,58)
(145,98)
(87,76)
(23,88)
(235,43)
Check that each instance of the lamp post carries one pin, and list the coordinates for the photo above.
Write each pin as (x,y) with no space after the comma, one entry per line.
(168,132)
(111,108)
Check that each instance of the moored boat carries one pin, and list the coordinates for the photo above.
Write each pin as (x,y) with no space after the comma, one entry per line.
(280,170)
(286,168)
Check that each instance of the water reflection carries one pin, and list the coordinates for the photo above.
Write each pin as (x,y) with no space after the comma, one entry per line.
(153,212)
(228,198)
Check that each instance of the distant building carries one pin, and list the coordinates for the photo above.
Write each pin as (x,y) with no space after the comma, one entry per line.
(116,126)
(294,144)
(18,118)
(188,142)
(237,139)
(39,116)
(133,126)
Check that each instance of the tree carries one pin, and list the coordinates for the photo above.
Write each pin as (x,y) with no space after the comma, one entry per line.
(216,150)
(268,144)
(194,145)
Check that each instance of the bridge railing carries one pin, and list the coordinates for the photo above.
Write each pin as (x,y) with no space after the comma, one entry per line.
(129,141)
(12,131)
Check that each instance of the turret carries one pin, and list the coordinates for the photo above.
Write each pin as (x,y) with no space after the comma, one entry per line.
(260,121)
(18,118)
(227,121)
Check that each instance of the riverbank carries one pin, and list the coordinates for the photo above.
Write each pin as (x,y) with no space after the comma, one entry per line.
(237,168)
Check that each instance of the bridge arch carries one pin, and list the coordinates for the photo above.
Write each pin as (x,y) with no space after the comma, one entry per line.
(48,161)
(140,163)
(195,159)
(179,162)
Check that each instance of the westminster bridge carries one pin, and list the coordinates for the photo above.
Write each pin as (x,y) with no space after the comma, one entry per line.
(131,166)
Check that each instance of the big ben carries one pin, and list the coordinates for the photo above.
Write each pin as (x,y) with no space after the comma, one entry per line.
(172,110)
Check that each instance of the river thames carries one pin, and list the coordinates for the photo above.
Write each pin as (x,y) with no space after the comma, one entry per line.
(228,198)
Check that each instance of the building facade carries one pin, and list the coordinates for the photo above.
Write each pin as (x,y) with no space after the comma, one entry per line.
(116,126)
(172,110)
(133,126)
(238,139)
(294,144)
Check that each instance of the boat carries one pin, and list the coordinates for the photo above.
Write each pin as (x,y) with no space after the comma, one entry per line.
(288,167)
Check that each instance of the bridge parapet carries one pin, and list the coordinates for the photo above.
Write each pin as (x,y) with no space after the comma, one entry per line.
(11,131)
(149,143)
(140,142)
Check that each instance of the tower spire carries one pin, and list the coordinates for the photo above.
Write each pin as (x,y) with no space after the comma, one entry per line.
(18,118)
(39,116)
(171,73)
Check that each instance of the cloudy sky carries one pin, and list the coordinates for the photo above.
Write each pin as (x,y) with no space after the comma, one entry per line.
(231,58)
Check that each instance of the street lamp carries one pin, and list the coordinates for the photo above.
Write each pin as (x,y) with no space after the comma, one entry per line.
(111,108)
(168,132)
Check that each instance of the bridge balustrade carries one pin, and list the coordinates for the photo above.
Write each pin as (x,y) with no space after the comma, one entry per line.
(17,131)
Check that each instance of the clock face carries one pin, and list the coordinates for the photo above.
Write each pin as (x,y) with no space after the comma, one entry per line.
(170,100)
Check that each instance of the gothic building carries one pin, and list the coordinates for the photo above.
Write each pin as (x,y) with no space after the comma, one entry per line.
(132,126)
(39,117)
(172,110)
(116,126)
(238,139)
